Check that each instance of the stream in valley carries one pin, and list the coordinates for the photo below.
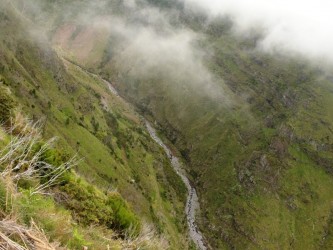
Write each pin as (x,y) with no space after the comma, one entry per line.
(192,203)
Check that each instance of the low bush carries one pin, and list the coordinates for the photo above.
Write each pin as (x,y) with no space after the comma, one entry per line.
(88,205)
(6,105)
(124,218)
(93,207)
(54,220)
(5,201)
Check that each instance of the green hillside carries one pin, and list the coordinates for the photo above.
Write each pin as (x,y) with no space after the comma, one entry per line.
(262,160)
(118,155)
(254,128)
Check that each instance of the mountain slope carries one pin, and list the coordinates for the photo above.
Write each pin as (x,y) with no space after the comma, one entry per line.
(270,157)
(255,129)
(92,123)
(259,153)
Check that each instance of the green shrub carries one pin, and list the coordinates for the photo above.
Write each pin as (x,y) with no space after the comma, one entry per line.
(93,207)
(88,206)
(53,157)
(124,218)
(77,241)
(27,183)
(5,203)
(6,105)
(54,220)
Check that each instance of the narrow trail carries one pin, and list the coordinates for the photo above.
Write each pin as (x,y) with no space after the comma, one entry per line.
(192,203)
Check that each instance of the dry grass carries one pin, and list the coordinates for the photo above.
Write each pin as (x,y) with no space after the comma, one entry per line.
(147,239)
(18,237)
(21,161)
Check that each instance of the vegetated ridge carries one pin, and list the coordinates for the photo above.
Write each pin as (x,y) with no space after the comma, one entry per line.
(123,193)
(258,151)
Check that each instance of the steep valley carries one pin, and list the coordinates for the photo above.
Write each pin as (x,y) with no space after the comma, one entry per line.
(94,124)
(253,129)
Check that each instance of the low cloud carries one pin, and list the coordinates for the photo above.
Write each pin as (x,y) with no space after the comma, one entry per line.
(148,46)
(145,44)
(169,55)
(301,26)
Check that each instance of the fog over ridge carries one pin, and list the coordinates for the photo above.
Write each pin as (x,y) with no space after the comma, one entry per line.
(304,27)
(151,46)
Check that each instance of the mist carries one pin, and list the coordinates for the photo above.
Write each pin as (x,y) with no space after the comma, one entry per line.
(303,27)
(170,55)
(146,45)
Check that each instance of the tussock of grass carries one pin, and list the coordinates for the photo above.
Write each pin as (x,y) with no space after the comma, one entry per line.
(6,104)
(88,120)
(30,218)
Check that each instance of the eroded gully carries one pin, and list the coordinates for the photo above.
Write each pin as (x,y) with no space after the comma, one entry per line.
(192,203)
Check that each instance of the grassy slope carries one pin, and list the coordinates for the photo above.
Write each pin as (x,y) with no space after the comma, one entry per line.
(74,214)
(261,173)
(118,153)
(262,165)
